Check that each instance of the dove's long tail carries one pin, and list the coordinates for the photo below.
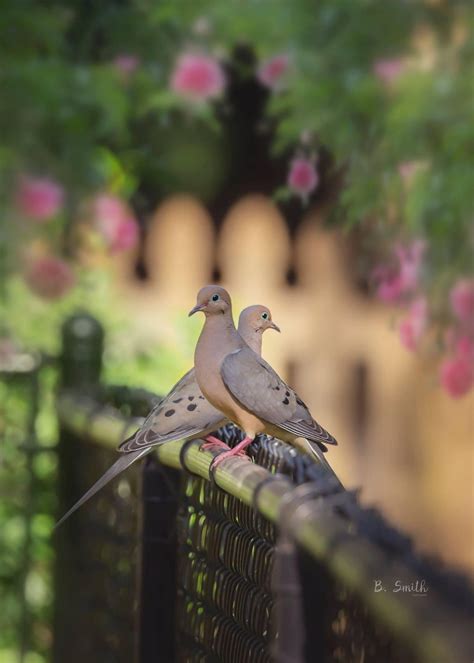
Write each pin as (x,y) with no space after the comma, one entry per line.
(314,450)
(119,466)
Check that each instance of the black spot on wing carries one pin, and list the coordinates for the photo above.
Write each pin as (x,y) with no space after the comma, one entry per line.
(202,398)
(192,407)
(285,401)
(147,436)
(190,398)
(178,400)
(169,413)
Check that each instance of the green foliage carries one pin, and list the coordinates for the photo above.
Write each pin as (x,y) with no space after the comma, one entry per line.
(140,362)
(425,116)
(27,509)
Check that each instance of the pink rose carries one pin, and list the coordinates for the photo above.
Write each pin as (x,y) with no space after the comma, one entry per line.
(456,375)
(465,347)
(272,71)
(389,284)
(49,277)
(410,258)
(108,208)
(198,77)
(303,177)
(407,333)
(126,236)
(388,70)
(457,372)
(126,64)
(462,300)
(39,198)
(115,223)
(403,278)
(413,326)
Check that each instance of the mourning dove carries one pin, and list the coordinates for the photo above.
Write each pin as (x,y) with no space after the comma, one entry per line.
(243,386)
(184,413)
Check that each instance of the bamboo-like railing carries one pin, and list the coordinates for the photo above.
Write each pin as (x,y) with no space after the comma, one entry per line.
(434,633)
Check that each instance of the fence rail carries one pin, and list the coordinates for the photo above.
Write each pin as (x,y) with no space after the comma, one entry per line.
(328,558)
(316,525)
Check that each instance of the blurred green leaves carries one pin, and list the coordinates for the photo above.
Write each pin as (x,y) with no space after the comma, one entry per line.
(374,128)
(27,505)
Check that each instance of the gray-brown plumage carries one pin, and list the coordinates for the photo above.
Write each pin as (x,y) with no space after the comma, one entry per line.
(245,387)
(183,413)
(254,384)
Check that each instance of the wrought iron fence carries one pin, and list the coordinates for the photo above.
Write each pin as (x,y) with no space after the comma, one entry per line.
(265,561)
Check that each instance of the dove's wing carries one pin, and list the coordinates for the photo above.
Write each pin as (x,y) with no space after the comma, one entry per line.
(119,466)
(183,413)
(260,390)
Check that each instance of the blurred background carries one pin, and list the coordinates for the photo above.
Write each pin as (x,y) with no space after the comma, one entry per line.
(312,157)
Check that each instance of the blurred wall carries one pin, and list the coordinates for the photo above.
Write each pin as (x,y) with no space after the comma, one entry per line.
(401,439)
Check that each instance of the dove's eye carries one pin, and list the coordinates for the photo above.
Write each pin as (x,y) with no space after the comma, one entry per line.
(265,316)
(215,298)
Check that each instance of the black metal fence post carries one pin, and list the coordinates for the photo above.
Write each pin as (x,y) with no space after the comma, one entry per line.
(158,569)
(144,629)
(82,348)
(80,369)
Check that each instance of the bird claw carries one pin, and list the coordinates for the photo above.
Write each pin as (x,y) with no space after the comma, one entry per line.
(231,453)
(213,443)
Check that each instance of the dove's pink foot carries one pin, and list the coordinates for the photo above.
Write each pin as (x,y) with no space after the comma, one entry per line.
(213,443)
(238,450)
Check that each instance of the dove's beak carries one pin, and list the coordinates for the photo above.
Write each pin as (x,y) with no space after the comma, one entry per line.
(275,327)
(196,309)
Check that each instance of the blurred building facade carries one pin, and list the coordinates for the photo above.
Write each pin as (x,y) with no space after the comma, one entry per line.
(403,441)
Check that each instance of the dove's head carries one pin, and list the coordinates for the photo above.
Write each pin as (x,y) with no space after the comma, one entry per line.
(212,300)
(256,319)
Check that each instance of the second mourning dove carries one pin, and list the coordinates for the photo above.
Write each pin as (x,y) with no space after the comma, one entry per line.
(184,413)
(244,386)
